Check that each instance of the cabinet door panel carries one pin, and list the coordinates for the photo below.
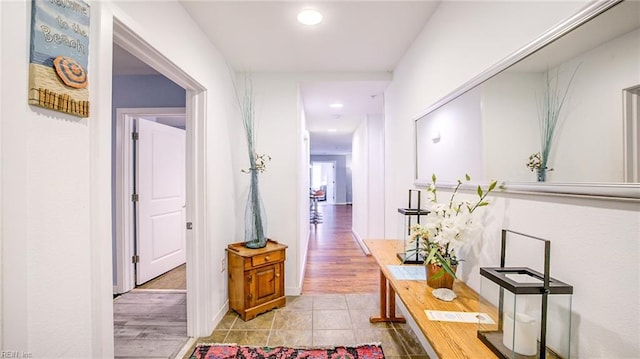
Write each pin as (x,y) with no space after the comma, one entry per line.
(266,283)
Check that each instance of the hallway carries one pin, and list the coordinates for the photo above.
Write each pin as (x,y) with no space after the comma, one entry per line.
(335,262)
(339,294)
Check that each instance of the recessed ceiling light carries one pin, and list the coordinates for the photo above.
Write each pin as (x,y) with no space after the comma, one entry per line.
(336,105)
(332,130)
(309,17)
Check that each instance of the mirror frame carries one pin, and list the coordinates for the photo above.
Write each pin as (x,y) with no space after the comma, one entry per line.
(604,190)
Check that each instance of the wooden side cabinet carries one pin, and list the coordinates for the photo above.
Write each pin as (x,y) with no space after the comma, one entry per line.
(256,278)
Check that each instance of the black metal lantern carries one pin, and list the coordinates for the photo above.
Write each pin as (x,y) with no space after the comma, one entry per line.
(409,217)
(520,300)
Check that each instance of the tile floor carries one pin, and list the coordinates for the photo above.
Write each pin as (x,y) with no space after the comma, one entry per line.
(320,320)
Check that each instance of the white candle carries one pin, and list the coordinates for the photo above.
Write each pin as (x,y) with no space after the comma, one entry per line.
(524,333)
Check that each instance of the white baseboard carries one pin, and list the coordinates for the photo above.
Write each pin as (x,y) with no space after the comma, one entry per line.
(360,242)
(414,326)
(221,313)
(293,291)
(303,269)
(185,348)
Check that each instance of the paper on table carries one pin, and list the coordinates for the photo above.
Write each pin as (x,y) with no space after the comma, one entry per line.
(408,272)
(460,317)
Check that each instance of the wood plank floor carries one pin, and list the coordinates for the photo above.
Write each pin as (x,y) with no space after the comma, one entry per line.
(335,261)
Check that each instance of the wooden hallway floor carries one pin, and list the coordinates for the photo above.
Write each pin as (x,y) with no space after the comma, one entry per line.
(335,262)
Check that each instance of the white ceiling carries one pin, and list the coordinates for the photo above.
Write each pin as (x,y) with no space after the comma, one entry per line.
(354,37)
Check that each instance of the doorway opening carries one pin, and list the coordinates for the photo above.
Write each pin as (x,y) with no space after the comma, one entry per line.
(150,169)
(323,181)
(197,298)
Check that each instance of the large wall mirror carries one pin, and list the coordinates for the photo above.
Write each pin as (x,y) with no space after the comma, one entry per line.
(491,126)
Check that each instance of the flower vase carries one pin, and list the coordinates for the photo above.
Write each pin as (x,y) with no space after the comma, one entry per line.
(444,281)
(541,174)
(255,227)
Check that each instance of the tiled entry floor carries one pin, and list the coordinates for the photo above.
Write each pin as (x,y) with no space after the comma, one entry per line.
(318,321)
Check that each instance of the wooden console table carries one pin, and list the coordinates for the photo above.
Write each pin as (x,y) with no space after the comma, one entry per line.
(448,339)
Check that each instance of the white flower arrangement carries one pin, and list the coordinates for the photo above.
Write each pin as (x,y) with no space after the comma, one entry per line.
(260,164)
(448,227)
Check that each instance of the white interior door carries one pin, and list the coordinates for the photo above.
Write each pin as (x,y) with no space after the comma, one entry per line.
(160,159)
(329,175)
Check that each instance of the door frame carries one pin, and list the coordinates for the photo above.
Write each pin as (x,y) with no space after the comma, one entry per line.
(199,285)
(631,131)
(125,236)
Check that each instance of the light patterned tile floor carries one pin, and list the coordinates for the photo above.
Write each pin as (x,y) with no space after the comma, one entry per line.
(320,320)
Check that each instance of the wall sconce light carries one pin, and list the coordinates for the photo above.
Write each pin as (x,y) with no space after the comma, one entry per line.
(435,136)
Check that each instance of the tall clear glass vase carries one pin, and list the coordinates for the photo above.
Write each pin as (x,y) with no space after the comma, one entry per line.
(255,227)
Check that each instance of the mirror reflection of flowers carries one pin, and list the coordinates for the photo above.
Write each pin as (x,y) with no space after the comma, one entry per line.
(550,105)
(535,163)
(259,164)
(448,227)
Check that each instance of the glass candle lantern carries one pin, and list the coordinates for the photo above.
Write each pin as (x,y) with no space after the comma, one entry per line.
(530,311)
(408,217)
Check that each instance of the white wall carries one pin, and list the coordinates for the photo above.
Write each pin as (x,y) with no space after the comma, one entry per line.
(278,134)
(367,168)
(360,180)
(303,194)
(595,243)
(46,186)
(56,239)
(375,190)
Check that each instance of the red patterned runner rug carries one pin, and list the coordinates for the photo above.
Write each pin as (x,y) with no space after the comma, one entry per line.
(222,351)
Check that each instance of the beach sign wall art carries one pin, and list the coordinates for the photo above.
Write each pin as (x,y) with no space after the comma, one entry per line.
(58,60)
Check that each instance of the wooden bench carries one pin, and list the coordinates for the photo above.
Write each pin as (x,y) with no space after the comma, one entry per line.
(447,339)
